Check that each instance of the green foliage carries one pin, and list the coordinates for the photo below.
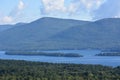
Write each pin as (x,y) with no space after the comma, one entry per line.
(22,70)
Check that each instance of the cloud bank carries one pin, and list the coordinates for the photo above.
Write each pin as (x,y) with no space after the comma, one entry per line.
(82,9)
(73,8)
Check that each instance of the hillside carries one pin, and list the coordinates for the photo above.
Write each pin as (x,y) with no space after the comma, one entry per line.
(99,34)
(35,35)
(5,27)
(53,33)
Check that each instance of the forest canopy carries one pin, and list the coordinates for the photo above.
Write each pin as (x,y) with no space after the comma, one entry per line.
(24,70)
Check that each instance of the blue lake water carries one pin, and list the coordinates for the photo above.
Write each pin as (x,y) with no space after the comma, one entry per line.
(88,58)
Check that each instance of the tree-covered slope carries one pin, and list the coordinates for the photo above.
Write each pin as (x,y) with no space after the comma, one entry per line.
(22,70)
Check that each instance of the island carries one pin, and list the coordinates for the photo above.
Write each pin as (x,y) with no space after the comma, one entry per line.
(35,53)
(108,54)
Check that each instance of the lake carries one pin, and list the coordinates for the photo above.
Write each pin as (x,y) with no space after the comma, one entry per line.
(88,58)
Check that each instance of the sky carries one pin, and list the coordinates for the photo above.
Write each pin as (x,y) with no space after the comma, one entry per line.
(15,11)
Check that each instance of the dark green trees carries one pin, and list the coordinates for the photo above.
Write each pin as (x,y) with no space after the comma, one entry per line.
(22,70)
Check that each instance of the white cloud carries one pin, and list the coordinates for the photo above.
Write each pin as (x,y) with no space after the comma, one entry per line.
(21,5)
(18,9)
(92,4)
(72,8)
(59,5)
(6,20)
(13,16)
(51,5)
(116,16)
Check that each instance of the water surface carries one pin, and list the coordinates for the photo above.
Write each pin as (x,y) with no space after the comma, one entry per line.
(88,58)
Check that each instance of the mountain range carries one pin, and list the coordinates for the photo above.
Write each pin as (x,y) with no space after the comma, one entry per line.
(54,33)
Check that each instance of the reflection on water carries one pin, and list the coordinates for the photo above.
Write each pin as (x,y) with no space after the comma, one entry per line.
(88,58)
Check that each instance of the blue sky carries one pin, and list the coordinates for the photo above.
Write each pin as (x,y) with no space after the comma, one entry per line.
(14,11)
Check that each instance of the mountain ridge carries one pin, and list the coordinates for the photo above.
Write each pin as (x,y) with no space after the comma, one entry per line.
(36,31)
(55,33)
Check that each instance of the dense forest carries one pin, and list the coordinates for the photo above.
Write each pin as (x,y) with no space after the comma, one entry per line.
(25,70)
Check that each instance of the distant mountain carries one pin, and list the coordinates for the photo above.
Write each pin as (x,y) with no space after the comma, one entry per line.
(35,35)
(100,34)
(6,27)
(20,24)
(54,33)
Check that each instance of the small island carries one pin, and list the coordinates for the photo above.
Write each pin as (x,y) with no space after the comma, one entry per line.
(108,54)
(35,53)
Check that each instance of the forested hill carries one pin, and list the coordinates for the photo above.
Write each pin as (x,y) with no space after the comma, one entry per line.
(54,33)
(101,34)
(33,34)
(22,70)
